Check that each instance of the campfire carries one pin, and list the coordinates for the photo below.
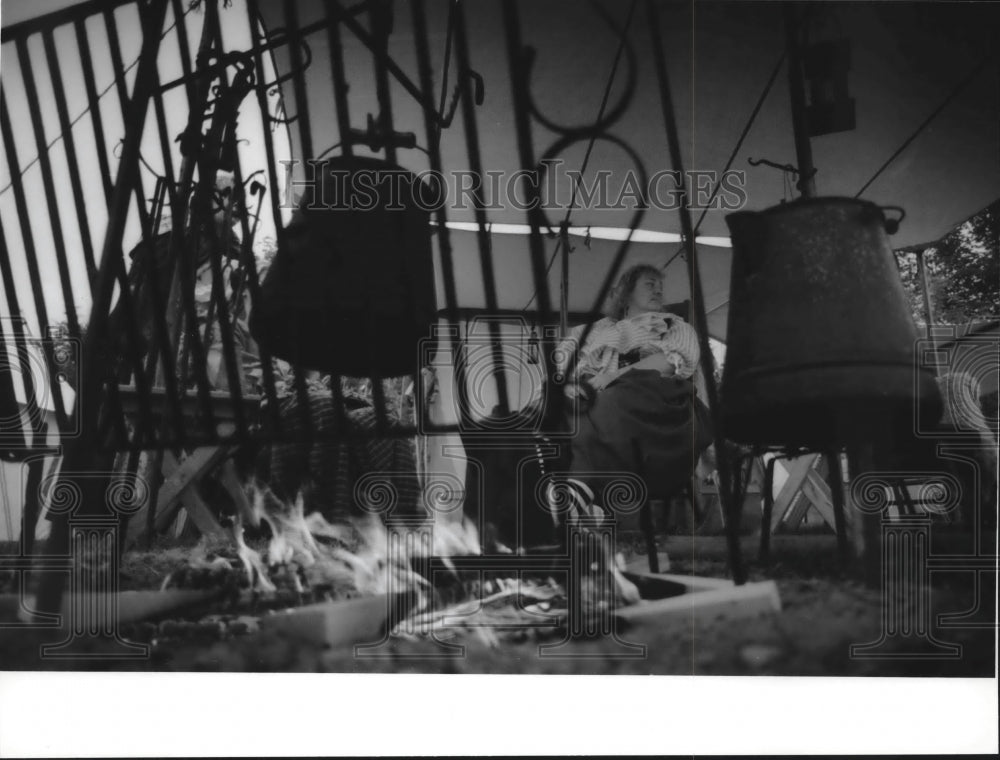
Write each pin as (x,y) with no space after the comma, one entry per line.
(415,579)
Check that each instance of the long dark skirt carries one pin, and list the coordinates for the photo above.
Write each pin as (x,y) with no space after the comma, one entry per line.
(646,425)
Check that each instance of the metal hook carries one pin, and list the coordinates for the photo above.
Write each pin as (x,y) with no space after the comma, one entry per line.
(276,39)
(774,165)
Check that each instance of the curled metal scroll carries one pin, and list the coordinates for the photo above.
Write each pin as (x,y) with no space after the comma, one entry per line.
(566,141)
(612,115)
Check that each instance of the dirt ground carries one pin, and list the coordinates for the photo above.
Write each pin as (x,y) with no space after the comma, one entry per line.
(825,609)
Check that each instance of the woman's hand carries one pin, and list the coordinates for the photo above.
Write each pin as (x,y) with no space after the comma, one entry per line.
(601,381)
(658,362)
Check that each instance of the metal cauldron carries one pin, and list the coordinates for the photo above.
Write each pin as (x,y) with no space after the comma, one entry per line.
(351,290)
(820,345)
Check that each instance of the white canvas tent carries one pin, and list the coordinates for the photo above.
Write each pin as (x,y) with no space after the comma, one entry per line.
(908,61)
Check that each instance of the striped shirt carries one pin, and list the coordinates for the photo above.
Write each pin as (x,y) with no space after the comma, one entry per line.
(641,335)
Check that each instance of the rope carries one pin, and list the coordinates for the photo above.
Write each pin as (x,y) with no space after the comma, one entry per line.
(954,94)
(114,82)
(590,145)
(736,149)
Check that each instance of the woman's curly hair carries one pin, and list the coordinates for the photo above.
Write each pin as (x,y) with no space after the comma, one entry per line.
(620,294)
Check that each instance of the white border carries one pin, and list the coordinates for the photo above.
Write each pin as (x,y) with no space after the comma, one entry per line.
(84,715)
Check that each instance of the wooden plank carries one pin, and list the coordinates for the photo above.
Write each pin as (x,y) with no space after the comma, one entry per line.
(798,470)
(818,493)
(223,403)
(178,476)
(636,569)
(814,493)
(128,606)
(339,623)
(200,513)
(732,602)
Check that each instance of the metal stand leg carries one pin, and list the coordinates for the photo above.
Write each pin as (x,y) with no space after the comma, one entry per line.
(649,533)
(765,519)
(835,480)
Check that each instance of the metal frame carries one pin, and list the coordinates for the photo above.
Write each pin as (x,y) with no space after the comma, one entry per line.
(159,394)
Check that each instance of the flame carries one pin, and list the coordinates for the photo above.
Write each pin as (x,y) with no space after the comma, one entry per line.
(351,558)
(362,557)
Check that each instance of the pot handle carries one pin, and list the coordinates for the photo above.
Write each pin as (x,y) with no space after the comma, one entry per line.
(892,225)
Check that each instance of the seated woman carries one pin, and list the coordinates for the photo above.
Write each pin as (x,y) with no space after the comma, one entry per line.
(636,367)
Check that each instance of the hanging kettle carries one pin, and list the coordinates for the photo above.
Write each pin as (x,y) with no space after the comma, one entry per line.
(351,289)
(821,343)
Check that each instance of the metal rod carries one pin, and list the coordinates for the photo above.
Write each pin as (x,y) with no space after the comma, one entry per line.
(305,140)
(184,48)
(20,339)
(730,509)
(215,255)
(164,373)
(272,176)
(30,254)
(536,218)
(247,259)
(69,144)
(564,283)
(79,449)
(48,184)
(185,243)
(74,13)
(165,143)
(141,383)
(443,234)
(425,100)
(378,20)
(298,81)
(835,479)
(118,65)
(796,88)
(764,555)
(96,122)
(483,237)
(377,15)
(339,82)
(925,292)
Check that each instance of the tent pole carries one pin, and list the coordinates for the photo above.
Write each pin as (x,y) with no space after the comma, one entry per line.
(925,288)
(796,87)
(731,510)
(564,281)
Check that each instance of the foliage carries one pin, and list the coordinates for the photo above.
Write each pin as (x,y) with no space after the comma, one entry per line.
(963,272)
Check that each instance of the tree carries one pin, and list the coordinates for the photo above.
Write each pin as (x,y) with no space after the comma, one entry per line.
(963,272)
